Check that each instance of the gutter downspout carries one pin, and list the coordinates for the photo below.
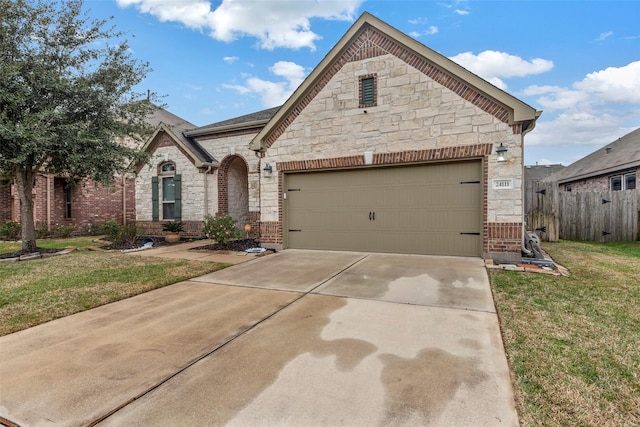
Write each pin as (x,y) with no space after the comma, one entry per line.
(48,202)
(124,199)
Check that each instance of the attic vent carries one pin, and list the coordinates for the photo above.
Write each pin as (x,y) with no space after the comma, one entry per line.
(608,150)
(368,91)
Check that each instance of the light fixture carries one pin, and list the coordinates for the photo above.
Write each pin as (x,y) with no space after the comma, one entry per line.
(501,151)
(268,170)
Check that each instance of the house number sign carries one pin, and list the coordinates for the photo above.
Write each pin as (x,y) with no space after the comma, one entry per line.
(502,184)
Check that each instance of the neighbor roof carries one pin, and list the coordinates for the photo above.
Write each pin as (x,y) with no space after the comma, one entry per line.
(623,153)
(519,112)
(539,172)
(248,121)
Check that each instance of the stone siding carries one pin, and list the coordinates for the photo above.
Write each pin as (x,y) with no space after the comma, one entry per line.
(415,117)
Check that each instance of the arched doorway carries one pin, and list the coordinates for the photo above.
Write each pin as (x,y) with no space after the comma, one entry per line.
(233,189)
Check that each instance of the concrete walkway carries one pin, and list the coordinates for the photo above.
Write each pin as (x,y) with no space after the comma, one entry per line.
(302,338)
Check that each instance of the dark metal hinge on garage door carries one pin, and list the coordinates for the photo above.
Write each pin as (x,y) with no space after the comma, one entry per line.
(469,182)
(294,189)
(295,230)
(470,233)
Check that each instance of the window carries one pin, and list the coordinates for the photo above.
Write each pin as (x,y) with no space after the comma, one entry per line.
(616,183)
(166,193)
(368,92)
(630,181)
(567,187)
(168,197)
(67,202)
(623,182)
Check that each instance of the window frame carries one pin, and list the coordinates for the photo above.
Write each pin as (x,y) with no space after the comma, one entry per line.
(364,80)
(166,171)
(624,181)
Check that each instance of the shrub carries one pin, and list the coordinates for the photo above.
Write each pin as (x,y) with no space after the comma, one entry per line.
(222,229)
(42,231)
(63,231)
(110,229)
(122,235)
(10,230)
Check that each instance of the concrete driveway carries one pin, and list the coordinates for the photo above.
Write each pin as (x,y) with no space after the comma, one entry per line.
(300,338)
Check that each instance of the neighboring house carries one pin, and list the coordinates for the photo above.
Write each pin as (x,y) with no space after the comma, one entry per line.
(387,146)
(537,173)
(614,167)
(82,204)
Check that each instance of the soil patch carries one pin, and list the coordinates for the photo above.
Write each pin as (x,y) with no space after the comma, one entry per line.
(234,245)
(18,254)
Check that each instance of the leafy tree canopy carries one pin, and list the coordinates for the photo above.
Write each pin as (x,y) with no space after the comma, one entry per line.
(66,95)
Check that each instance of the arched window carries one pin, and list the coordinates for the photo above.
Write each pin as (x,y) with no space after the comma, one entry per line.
(169,184)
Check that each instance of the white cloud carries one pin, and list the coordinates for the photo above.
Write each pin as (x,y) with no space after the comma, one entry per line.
(614,84)
(230,59)
(593,111)
(490,64)
(604,36)
(273,93)
(462,12)
(428,32)
(275,23)
(417,21)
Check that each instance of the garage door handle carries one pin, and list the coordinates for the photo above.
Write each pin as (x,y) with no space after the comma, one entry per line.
(369,216)
(372,216)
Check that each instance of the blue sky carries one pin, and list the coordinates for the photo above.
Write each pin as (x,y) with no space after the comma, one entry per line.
(578,61)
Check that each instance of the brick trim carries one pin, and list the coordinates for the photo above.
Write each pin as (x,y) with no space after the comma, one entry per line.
(434,154)
(223,182)
(370,43)
(503,237)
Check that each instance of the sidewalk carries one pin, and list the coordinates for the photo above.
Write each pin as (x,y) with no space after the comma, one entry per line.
(183,251)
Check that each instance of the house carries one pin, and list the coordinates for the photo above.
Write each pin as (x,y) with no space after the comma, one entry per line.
(611,168)
(83,204)
(387,146)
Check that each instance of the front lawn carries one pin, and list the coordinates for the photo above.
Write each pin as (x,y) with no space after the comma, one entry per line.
(34,292)
(574,342)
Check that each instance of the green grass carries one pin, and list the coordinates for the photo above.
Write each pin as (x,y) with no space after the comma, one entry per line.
(574,342)
(41,290)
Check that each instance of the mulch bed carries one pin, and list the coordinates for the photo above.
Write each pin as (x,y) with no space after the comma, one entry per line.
(234,245)
(20,253)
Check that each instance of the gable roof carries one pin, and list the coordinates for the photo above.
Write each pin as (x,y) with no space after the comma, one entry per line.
(175,127)
(370,37)
(623,153)
(248,121)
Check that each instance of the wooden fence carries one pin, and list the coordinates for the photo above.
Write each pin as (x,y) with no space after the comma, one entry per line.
(605,216)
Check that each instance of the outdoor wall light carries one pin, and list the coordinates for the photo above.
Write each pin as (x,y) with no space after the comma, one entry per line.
(267,171)
(501,151)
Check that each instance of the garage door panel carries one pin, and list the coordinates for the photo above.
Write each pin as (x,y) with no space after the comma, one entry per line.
(426,209)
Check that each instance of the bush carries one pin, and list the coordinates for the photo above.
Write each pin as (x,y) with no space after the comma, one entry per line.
(10,230)
(111,229)
(222,229)
(63,231)
(42,231)
(122,235)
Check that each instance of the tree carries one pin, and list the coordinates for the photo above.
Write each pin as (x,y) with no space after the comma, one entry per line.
(66,98)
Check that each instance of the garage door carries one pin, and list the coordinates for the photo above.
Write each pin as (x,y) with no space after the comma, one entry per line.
(425,209)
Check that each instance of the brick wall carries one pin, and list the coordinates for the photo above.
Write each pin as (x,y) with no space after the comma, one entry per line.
(5,201)
(598,183)
(91,202)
